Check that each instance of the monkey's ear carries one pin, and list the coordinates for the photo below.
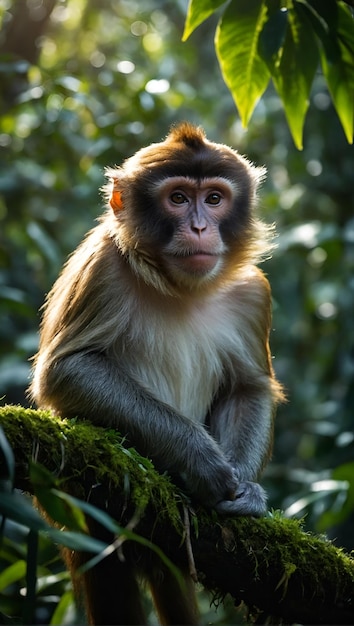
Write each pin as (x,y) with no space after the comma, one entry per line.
(115,199)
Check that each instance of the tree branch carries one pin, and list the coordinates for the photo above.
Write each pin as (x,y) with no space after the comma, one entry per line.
(270,564)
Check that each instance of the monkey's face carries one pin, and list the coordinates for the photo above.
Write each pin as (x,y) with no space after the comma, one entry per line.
(195,208)
(185,207)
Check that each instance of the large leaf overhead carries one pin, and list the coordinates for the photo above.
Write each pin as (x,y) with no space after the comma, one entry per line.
(237,36)
(198,12)
(294,72)
(339,69)
(284,40)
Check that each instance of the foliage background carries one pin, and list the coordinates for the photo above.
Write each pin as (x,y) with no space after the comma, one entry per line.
(110,77)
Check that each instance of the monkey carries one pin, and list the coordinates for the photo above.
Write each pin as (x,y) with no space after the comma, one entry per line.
(158,326)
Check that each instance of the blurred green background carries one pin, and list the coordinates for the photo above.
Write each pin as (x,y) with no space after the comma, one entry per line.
(107,77)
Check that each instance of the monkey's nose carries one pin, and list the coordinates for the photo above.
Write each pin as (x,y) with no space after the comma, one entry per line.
(198,226)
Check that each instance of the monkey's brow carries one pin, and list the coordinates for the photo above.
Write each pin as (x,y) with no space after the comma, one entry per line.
(197,182)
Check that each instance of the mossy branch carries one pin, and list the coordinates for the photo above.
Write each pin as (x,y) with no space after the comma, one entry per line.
(270,564)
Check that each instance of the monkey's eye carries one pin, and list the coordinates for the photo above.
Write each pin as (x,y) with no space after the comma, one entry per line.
(178,198)
(213,198)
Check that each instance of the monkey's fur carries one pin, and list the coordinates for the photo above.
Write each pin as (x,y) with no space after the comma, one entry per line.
(158,326)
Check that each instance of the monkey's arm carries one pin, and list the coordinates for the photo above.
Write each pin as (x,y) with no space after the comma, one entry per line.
(243,425)
(242,417)
(91,384)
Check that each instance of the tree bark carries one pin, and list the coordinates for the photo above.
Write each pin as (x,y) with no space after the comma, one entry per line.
(270,564)
(27,23)
(24,25)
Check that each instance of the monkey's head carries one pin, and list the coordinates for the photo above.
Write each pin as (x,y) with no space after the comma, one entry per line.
(185,207)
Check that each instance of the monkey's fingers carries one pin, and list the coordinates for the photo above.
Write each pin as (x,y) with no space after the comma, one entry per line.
(250,499)
(231,494)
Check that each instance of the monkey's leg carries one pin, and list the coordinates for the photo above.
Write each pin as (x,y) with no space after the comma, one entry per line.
(108,591)
(174,604)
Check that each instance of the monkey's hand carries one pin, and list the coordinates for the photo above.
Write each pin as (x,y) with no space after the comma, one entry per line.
(224,491)
(250,499)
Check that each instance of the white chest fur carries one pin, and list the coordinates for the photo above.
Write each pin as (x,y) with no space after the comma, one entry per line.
(180,354)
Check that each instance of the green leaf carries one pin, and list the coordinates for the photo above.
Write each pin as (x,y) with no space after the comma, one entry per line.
(272,36)
(132,536)
(59,506)
(29,607)
(64,508)
(237,38)
(12,574)
(40,476)
(198,12)
(77,541)
(339,71)
(100,516)
(7,461)
(294,73)
(15,506)
(62,609)
(326,11)
(333,24)
(339,512)
(323,19)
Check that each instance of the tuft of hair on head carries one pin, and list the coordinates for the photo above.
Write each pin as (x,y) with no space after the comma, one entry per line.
(189,134)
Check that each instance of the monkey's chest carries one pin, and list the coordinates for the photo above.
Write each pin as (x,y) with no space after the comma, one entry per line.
(181,364)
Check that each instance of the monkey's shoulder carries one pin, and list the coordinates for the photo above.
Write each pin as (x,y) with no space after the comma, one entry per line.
(250,304)
(250,285)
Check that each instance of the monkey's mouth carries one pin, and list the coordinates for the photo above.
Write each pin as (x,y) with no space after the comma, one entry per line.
(197,262)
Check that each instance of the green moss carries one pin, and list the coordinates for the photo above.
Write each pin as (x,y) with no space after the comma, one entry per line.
(73,449)
(275,565)
(278,547)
